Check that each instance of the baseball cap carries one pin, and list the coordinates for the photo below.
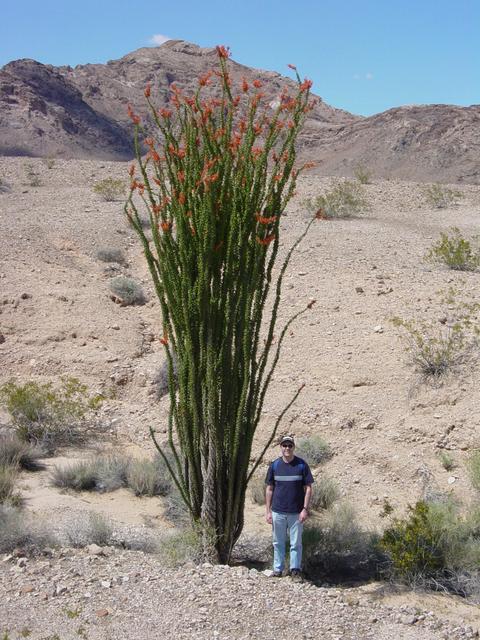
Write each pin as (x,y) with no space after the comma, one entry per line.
(286,439)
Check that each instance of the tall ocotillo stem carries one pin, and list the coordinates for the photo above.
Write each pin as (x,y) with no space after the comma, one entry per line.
(215,182)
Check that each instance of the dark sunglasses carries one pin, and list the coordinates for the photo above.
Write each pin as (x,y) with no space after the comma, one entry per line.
(287,446)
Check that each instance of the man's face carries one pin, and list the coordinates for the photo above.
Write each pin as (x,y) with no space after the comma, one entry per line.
(287,450)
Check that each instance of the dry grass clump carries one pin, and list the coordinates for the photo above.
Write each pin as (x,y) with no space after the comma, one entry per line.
(110,189)
(473,466)
(161,378)
(89,528)
(181,547)
(16,452)
(111,254)
(346,199)
(325,493)
(32,178)
(127,290)
(338,548)
(8,477)
(257,490)
(109,473)
(314,450)
(103,474)
(16,531)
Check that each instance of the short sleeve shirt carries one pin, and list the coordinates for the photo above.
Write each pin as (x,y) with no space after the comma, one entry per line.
(288,480)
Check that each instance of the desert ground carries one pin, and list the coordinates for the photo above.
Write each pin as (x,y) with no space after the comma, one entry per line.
(385,424)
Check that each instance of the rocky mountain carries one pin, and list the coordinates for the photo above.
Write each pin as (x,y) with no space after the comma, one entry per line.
(81,112)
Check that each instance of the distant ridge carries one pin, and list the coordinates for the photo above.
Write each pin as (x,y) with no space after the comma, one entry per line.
(81,112)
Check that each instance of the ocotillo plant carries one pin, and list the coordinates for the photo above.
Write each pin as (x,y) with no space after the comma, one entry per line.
(215,183)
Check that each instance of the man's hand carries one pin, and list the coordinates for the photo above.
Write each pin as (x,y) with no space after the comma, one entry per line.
(303,515)
(268,517)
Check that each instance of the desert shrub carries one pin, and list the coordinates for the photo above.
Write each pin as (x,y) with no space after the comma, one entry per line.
(16,531)
(49,162)
(89,528)
(32,178)
(8,476)
(325,494)
(314,449)
(455,251)
(110,189)
(433,546)
(338,547)
(473,466)
(175,509)
(257,490)
(16,452)
(102,474)
(362,173)
(345,200)
(111,254)
(436,348)
(129,292)
(149,477)
(441,197)
(446,460)
(46,415)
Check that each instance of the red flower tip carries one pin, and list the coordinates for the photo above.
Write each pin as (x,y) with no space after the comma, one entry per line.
(147,91)
(133,117)
(131,170)
(292,66)
(267,240)
(166,226)
(257,84)
(165,113)
(223,52)
(306,84)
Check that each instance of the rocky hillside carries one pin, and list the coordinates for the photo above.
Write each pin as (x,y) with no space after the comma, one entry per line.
(81,113)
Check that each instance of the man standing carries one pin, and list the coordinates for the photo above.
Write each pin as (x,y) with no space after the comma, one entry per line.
(287,496)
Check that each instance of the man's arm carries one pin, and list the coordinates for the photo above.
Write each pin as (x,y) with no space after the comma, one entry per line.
(268,503)
(306,502)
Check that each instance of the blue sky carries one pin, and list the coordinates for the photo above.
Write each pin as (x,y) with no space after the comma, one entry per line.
(362,55)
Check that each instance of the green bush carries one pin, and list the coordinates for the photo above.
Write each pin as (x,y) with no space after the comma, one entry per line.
(314,449)
(362,173)
(441,197)
(325,493)
(16,452)
(433,546)
(49,416)
(111,254)
(345,200)
(110,189)
(455,252)
(127,290)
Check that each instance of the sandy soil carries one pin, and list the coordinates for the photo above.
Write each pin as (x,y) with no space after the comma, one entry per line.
(385,425)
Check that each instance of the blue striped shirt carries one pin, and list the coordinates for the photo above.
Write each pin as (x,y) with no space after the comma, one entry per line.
(288,480)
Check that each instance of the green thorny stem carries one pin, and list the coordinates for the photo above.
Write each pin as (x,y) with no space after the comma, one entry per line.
(215,185)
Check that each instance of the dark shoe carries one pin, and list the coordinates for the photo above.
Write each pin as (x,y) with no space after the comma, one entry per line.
(277,574)
(296,575)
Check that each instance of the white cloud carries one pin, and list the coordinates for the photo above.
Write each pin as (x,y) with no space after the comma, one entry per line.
(159,39)
(369,76)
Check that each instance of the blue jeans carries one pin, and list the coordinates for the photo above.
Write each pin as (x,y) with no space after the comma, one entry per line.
(281,524)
